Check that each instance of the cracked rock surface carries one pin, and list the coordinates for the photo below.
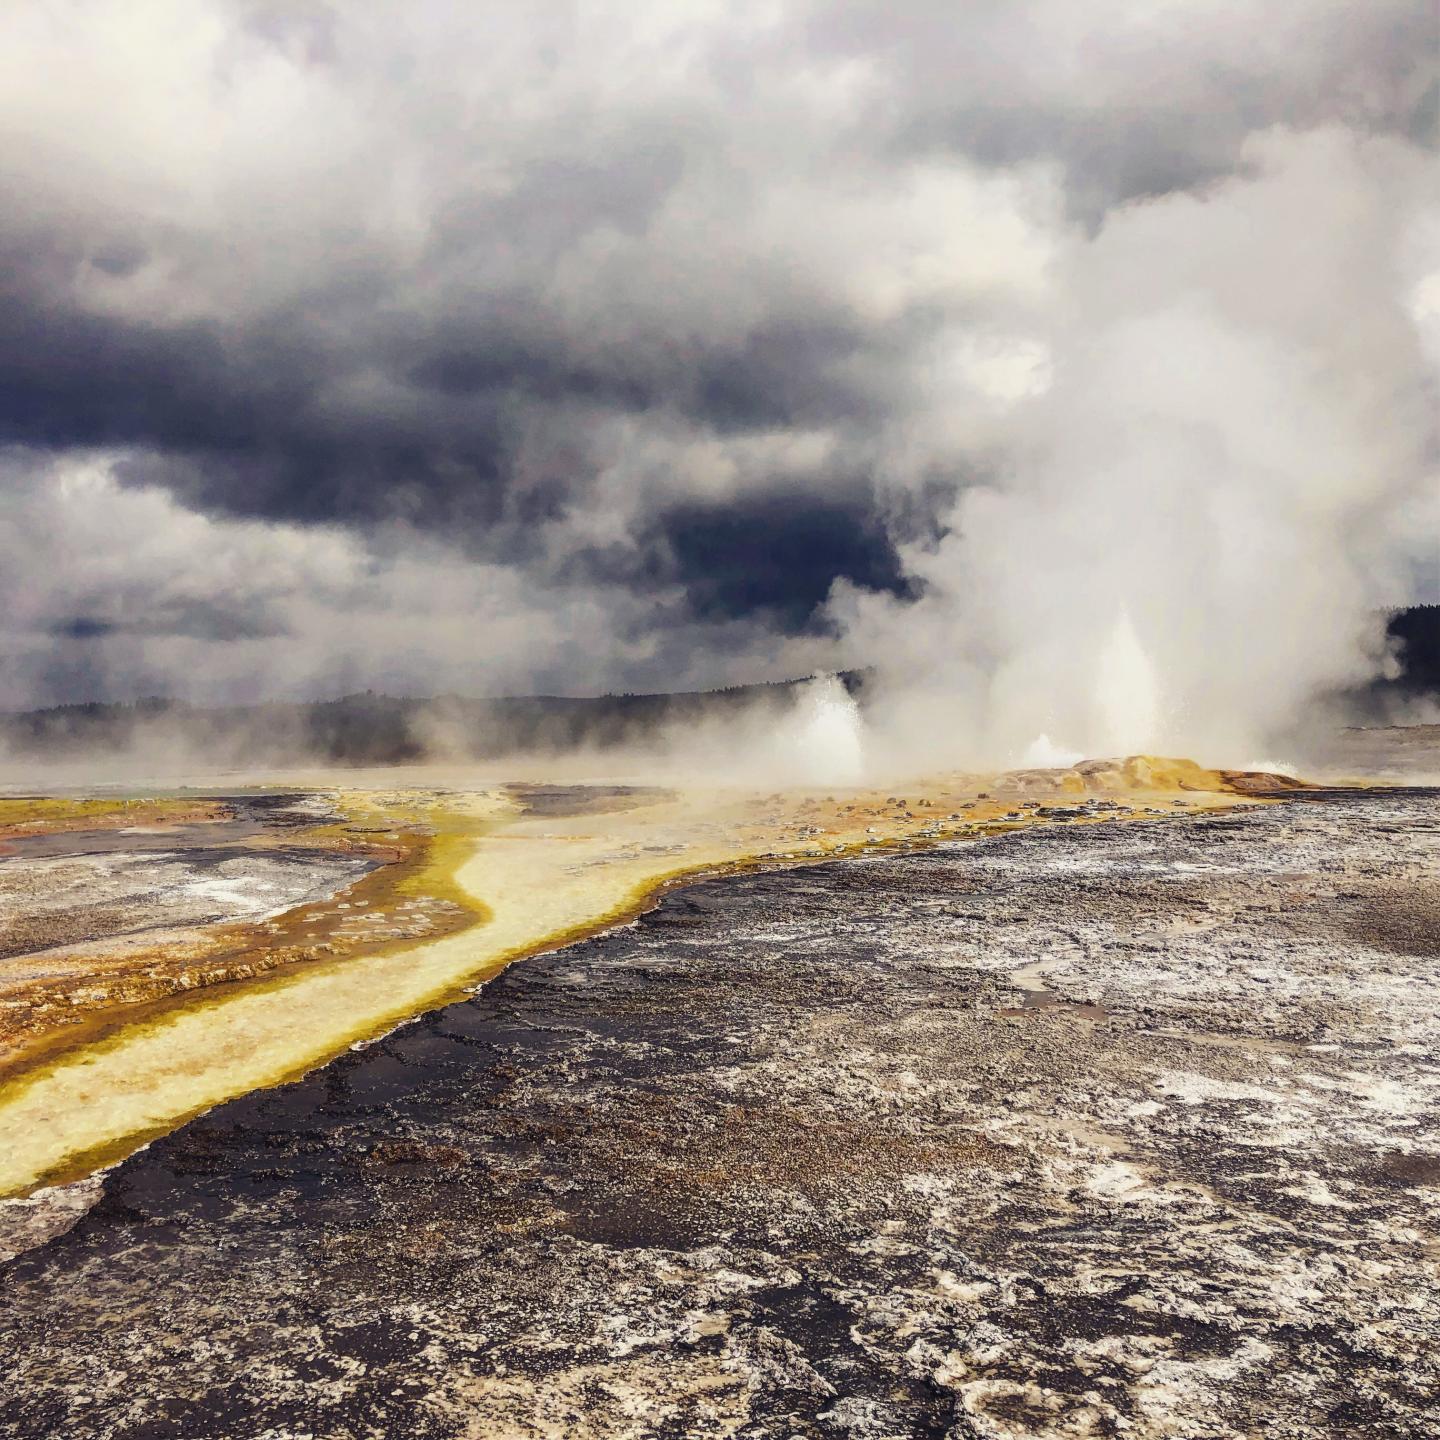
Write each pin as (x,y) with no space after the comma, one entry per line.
(1079,1131)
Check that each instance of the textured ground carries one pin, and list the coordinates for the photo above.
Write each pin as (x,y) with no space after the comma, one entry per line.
(107,1044)
(1086,1130)
(97,916)
(75,886)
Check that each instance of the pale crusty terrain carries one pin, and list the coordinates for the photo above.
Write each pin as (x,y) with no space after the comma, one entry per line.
(1085,1130)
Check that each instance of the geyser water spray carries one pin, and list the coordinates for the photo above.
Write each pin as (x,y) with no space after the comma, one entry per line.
(824,743)
(1127,694)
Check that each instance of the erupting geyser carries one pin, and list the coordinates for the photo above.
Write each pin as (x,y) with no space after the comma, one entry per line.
(1044,753)
(826,739)
(1127,696)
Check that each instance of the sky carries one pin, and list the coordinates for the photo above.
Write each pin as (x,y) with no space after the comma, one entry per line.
(509,348)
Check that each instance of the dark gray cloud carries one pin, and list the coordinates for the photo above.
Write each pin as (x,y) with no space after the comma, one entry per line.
(777,555)
(680,313)
(193,619)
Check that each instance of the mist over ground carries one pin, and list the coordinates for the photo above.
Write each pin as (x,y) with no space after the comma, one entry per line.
(1068,370)
(825,731)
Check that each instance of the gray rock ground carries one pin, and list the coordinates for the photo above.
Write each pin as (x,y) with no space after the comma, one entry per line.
(1085,1131)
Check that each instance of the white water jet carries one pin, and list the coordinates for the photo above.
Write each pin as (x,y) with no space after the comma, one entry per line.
(1127,694)
(824,743)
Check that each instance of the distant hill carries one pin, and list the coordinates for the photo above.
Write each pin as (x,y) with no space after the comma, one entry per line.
(375,729)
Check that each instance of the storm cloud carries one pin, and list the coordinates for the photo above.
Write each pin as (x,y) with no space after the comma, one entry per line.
(661,344)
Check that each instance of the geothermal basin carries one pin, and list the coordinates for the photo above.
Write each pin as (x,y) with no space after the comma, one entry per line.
(1089,1102)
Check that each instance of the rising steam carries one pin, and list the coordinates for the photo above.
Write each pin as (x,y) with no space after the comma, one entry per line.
(1197,517)
(577,353)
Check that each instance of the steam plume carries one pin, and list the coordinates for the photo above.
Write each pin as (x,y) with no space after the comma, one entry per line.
(664,345)
(1193,529)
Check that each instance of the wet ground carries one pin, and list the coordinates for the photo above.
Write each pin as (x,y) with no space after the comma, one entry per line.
(115,924)
(1101,1130)
(76,886)
(558,800)
(243,817)
(1391,752)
